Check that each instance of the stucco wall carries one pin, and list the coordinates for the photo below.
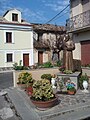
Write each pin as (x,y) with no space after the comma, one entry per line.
(22,40)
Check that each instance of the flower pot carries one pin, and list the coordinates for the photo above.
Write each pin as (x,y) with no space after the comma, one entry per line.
(45,104)
(29,90)
(71,92)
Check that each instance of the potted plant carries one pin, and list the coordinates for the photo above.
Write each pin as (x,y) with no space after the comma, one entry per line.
(25,81)
(70,87)
(43,96)
(46,76)
(83,78)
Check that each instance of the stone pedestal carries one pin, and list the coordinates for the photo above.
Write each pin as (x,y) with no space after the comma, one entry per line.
(74,77)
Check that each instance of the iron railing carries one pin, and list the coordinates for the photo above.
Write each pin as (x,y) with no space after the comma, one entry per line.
(78,22)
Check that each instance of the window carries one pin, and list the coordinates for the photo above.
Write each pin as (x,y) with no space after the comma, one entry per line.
(9,57)
(8,37)
(14,17)
(84,1)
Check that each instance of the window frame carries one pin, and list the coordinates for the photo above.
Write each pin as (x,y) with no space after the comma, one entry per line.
(6,59)
(15,17)
(12,37)
(8,37)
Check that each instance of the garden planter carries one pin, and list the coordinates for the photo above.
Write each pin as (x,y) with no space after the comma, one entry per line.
(45,104)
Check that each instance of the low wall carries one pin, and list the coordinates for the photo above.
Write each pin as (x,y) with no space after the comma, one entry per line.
(36,74)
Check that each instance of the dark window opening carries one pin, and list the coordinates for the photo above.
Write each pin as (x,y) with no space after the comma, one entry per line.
(8,37)
(9,57)
(14,17)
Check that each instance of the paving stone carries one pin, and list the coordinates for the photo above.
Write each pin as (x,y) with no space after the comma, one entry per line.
(6,113)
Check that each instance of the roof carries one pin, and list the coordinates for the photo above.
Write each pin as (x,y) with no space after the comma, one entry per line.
(23,22)
(48,27)
(10,10)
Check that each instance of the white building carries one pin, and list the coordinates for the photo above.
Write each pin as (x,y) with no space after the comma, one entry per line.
(16,40)
(79,26)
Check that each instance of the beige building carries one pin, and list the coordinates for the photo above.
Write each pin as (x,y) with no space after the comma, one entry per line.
(79,26)
(16,38)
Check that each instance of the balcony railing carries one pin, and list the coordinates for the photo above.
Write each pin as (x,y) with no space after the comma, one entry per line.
(79,22)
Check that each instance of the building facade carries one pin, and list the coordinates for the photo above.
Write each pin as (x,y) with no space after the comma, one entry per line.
(46,33)
(79,26)
(16,38)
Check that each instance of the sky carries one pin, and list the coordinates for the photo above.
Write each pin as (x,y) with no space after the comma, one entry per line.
(38,11)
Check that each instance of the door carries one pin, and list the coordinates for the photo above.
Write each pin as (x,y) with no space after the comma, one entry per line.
(25,59)
(85,52)
(40,57)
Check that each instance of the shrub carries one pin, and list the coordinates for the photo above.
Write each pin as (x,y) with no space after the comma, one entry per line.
(42,90)
(46,76)
(47,65)
(59,63)
(19,67)
(67,72)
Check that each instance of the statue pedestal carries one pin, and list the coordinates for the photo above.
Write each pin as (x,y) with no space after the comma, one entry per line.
(74,77)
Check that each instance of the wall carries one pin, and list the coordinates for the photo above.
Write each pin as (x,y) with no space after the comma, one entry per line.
(22,43)
(76,8)
(83,36)
(22,40)
(86,7)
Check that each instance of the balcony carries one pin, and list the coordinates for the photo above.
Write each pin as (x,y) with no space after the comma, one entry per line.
(78,23)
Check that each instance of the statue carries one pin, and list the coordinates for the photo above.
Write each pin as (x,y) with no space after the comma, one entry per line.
(68,47)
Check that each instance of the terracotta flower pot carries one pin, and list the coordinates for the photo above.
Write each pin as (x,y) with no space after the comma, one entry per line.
(29,90)
(71,92)
(45,104)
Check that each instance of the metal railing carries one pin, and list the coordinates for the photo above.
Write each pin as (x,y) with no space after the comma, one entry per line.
(77,22)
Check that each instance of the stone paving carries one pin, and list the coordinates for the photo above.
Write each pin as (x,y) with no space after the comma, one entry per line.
(67,100)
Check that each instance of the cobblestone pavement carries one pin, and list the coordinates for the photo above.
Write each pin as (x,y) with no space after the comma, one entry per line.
(67,100)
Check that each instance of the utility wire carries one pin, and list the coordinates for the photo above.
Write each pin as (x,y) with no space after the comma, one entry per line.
(57,14)
(53,17)
(61,15)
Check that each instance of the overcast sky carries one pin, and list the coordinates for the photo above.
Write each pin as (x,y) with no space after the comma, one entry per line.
(38,11)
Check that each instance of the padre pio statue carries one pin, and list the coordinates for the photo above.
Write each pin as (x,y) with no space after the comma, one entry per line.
(68,47)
